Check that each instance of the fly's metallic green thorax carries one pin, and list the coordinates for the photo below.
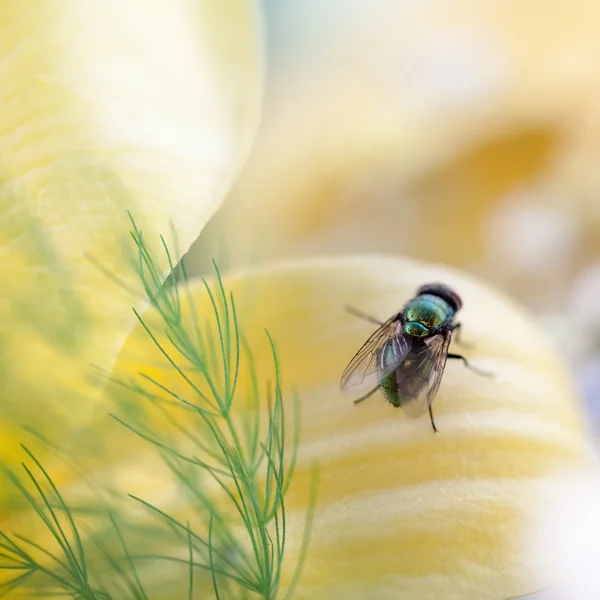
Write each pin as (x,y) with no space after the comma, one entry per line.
(425,313)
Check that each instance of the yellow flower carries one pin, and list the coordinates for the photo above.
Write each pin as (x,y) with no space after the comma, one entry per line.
(150,107)
(107,107)
(401,512)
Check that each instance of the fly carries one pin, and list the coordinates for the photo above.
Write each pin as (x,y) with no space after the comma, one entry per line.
(406,356)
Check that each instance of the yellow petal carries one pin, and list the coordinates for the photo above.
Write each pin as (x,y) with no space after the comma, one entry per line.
(401,512)
(146,106)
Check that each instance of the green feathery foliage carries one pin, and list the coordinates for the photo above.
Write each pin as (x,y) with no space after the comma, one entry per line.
(230,458)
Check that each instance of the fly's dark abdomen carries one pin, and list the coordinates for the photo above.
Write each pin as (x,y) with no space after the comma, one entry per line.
(389,386)
(388,383)
(407,382)
(413,374)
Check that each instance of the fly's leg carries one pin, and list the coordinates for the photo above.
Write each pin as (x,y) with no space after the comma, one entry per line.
(362,315)
(470,366)
(457,327)
(432,421)
(367,395)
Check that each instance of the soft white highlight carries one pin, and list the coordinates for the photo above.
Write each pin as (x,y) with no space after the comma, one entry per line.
(566,537)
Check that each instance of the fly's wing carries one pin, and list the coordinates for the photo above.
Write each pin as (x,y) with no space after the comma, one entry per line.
(371,363)
(418,378)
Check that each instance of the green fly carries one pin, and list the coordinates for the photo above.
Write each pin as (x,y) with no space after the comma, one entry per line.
(406,356)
